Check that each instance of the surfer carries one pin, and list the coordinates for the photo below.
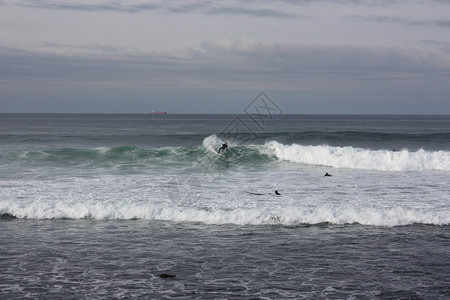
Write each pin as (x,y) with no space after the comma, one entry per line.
(277,193)
(224,146)
(327,174)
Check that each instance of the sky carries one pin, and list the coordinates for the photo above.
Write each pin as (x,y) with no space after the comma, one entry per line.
(307,56)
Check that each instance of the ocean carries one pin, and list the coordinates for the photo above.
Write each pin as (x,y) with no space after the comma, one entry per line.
(140,206)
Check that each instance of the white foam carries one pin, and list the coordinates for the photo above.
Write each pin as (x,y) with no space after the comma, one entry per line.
(288,215)
(351,195)
(359,158)
(212,142)
(102,150)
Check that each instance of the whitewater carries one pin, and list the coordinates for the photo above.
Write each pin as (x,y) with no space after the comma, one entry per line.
(99,206)
(370,187)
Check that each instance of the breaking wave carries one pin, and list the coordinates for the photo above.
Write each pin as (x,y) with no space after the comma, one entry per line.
(244,155)
(287,215)
(359,158)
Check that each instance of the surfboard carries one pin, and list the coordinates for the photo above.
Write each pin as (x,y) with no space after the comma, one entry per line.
(253,193)
(220,154)
(261,194)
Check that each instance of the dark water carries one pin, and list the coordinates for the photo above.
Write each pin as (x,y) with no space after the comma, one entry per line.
(99,206)
(84,259)
(92,130)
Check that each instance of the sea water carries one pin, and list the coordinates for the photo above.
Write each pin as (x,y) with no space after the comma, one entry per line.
(100,206)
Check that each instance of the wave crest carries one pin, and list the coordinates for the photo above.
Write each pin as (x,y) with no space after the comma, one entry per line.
(397,216)
(358,158)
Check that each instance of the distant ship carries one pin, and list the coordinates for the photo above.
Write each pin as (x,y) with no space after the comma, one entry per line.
(158,112)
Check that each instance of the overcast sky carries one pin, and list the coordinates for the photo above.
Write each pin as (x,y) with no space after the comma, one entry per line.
(309,56)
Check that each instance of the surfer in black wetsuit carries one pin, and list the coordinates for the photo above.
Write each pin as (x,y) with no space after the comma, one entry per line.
(224,146)
(277,193)
(327,174)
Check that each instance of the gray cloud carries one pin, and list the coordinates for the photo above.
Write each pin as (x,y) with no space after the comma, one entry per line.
(219,69)
(328,57)
(249,8)
(107,6)
(49,52)
(440,23)
(236,63)
(404,21)
(264,13)
(102,49)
